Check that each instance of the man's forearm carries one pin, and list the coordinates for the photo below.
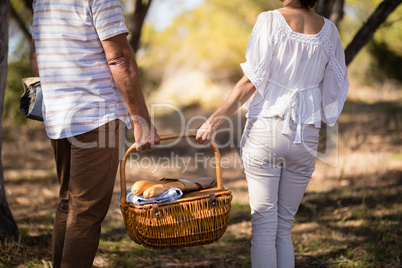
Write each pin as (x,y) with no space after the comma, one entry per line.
(126,76)
(32,59)
(125,73)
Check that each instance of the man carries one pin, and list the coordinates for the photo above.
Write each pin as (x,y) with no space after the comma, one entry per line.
(89,78)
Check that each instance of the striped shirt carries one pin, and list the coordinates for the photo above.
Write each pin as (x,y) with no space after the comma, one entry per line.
(79,93)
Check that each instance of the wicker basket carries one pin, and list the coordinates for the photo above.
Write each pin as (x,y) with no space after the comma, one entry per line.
(198,218)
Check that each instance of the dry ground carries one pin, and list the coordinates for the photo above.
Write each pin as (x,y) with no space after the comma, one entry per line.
(349,217)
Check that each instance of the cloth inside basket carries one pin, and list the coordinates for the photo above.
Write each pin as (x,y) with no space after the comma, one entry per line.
(193,184)
(169,195)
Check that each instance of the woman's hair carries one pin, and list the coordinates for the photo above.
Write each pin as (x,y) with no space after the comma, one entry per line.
(308,3)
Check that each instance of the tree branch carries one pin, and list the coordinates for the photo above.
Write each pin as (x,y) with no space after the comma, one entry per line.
(20,23)
(331,9)
(366,33)
(28,4)
(136,21)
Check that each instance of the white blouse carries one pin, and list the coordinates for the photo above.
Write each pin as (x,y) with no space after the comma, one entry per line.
(298,77)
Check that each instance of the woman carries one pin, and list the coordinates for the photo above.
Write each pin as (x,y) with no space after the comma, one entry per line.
(294,77)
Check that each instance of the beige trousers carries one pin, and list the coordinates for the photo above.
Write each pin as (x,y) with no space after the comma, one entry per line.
(278,172)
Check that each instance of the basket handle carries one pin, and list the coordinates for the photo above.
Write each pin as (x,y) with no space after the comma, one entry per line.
(168,137)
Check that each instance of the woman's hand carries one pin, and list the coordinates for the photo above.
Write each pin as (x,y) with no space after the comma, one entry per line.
(243,90)
(205,134)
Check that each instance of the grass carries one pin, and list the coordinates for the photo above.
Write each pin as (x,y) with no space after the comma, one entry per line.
(350,215)
(356,234)
(362,229)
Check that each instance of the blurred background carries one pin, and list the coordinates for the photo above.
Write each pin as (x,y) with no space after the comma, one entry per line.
(196,46)
(189,54)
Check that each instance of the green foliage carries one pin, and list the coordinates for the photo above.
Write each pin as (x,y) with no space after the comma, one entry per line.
(367,62)
(212,38)
(24,13)
(386,63)
(16,71)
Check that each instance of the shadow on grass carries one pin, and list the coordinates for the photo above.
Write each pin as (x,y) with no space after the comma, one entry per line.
(29,251)
(358,225)
(355,226)
(362,224)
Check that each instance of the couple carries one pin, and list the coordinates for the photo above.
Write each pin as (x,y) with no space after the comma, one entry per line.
(294,78)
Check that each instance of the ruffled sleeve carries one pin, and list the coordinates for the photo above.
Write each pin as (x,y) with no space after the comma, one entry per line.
(258,52)
(335,84)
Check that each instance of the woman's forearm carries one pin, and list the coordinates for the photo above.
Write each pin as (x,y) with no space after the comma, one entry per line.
(243,90)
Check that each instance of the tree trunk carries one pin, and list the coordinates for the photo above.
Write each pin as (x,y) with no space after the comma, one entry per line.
(366,33)
(8,228)
(136,20)
(331,9)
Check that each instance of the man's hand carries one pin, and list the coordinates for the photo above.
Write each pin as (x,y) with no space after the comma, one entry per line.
(145,136)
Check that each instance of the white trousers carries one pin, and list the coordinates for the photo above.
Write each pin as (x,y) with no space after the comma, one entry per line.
(277,172)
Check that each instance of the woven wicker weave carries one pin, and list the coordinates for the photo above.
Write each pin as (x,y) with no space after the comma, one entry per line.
(198,218)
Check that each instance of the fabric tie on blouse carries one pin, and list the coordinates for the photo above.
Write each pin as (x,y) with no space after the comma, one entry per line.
(295,100)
